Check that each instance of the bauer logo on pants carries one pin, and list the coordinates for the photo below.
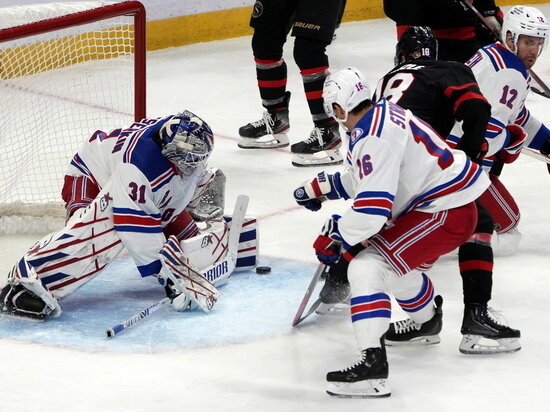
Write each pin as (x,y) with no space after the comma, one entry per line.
(258,9)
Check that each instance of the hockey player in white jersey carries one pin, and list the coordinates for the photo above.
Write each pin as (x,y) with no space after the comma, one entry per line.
(502,72)
(412,201)
(131,188)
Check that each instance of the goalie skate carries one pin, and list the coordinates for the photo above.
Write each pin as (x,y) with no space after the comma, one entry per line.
(18,302)
(485,332)
(365,379)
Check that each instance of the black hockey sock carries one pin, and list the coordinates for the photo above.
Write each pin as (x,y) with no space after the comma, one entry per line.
(313,86)
(272,78)
(476,269)
(310,56)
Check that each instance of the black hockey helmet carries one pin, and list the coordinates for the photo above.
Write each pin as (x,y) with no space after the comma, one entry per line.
(417,39)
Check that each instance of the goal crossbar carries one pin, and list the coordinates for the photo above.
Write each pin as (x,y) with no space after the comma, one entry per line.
(134,8)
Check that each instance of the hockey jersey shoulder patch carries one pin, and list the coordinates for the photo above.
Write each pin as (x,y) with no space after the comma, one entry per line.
(370,125)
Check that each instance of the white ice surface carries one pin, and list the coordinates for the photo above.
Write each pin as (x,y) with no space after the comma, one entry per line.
(286,371)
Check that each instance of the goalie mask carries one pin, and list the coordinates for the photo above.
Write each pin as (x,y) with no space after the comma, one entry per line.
(186,141)
(418,42)
(528,21)
(347,88)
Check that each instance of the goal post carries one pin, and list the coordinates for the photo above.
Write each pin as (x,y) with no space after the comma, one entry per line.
(66,70)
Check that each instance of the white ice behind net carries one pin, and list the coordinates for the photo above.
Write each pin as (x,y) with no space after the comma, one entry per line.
(56,89)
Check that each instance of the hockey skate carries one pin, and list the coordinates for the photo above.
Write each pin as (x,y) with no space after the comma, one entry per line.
(408,332)
(320,148)
(269,132)
(334,291)
(486,333)
(18,302)
(365,379)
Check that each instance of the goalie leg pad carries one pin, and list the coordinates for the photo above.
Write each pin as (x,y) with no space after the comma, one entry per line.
(248,249)
(208,251)
(63,261)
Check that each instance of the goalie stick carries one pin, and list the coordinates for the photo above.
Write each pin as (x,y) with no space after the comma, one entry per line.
(237,220)
(136,318)
(298,318)
(545,90)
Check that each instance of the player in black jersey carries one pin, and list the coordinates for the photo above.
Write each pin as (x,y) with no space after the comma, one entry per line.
(313,23)
(441,92)
(456,28)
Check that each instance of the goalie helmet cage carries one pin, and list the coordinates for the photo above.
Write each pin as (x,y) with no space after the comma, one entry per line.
(66,70)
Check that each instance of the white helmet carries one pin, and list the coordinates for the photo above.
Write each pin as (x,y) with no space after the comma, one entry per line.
(347,88)
(524,20)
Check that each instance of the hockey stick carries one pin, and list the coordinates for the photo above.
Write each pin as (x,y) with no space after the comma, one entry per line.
(545,90)
(535,154)
(115,330)
(298,318)
(237,220)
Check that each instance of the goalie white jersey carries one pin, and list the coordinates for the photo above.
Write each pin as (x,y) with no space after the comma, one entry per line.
(396,163)
(145,189)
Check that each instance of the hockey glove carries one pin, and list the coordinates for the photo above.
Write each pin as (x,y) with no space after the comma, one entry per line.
(328,245)
(314,192)
(517,138)
(476,154)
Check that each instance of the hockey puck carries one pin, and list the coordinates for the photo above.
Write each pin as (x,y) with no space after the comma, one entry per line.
(263,270)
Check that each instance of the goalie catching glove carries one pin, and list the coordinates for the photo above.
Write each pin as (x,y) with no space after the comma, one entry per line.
(314,192)
(184,284)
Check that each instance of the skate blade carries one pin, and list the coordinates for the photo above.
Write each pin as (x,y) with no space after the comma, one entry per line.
(478,345)
(270,141)
(419,341)
(369,388)
(333,308)
(323,158)
(324,308)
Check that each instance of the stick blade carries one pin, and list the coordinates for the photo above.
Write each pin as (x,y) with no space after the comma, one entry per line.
(298,317)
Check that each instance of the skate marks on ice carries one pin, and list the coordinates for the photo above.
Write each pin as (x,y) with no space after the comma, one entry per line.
(250,307)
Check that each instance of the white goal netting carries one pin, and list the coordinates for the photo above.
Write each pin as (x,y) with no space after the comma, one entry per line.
(57,86)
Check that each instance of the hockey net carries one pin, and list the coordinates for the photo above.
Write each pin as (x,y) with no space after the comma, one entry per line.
(66,70)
